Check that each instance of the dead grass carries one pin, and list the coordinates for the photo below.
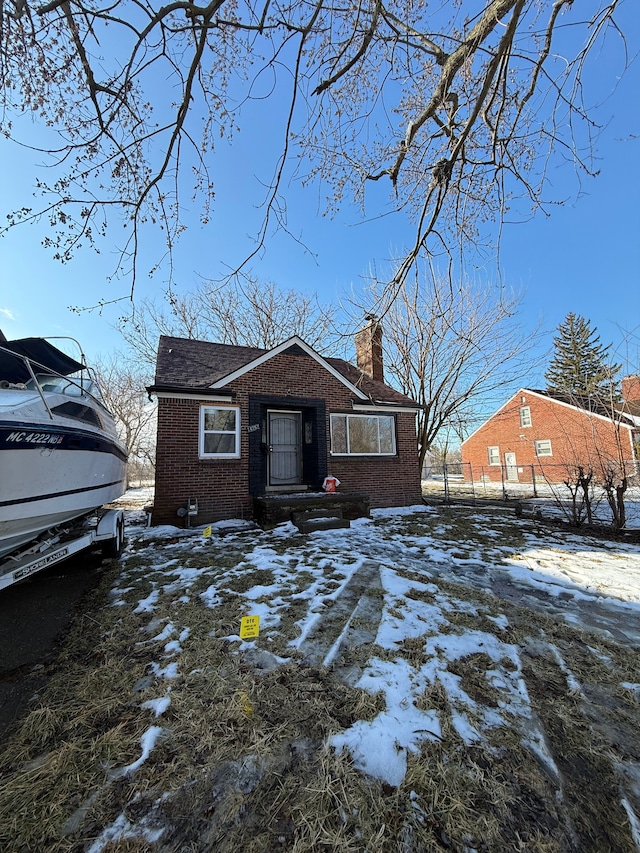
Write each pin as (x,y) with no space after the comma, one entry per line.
(472,671)
(243,764)
(453,525)
(62,760)
(250,577)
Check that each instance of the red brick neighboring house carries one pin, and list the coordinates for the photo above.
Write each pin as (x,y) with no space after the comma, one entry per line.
(547,435)
(236,422)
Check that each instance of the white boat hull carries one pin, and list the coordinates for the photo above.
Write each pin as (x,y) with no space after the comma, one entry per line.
(51,487)
(53,468)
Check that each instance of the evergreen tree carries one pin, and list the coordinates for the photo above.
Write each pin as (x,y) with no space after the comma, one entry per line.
(580,365)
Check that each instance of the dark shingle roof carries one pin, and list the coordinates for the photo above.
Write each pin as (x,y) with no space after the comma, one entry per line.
(196,365)
(375,390)
(190,365)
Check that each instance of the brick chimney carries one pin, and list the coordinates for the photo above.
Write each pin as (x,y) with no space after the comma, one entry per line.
(369,349)
(631,389)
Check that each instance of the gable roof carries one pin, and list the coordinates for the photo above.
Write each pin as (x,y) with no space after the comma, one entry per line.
(187,365)
(588,405)
(296,344)
(592,405)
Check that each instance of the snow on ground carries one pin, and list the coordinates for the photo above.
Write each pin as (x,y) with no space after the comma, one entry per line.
(336,574)
(554,501)
(610,570)
(557,503)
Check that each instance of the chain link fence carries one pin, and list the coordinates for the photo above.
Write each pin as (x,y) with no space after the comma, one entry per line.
(461,480)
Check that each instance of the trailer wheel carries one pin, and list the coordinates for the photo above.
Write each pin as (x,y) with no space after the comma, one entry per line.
(113,547)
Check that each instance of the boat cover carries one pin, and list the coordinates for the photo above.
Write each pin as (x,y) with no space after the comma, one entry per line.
(45,357)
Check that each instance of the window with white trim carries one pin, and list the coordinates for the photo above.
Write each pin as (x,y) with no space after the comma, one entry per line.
(363,435)
(494,455)
(543,447)
(525,416)
(219,432)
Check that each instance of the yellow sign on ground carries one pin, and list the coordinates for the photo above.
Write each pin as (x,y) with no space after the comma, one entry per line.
(247,707)
(249,627)
(207,531)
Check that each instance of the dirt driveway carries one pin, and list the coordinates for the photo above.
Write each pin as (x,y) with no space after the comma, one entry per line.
(34,616)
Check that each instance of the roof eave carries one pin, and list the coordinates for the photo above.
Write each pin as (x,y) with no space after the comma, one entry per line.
(385,404)
(173,390)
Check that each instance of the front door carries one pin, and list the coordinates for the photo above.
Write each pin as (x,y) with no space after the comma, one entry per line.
(512,469)
(285,448)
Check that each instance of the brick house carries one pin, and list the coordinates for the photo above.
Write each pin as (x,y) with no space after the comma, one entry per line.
(547,435)
(235,423)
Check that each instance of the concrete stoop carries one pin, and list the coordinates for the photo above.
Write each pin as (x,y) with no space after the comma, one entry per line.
(273,509)
(307,521)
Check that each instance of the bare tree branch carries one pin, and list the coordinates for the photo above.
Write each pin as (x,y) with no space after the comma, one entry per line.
(450,349)
(461,109)
(243,312)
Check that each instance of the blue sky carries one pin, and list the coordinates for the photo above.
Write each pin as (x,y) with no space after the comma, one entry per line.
(584,258)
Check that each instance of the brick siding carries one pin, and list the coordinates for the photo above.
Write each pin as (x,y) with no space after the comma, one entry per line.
(631,389)
(577,438)
(223,487)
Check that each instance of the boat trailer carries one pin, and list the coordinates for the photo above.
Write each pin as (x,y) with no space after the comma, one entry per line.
(104,528)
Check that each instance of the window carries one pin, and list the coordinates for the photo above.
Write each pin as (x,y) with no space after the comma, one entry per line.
(219,432)
(79,413)
(525,416)
(494,455)
(543,448)
(360,435)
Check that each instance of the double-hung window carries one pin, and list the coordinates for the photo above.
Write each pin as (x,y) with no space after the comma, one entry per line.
(525,416)
(363,435)
(543,447)
(219,432)
(494,455)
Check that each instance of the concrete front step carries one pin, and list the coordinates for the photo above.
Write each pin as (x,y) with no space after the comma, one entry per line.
(305,514)
(271,510)
(310,525)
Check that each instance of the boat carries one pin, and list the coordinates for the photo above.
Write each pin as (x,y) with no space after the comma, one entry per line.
(60,455)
